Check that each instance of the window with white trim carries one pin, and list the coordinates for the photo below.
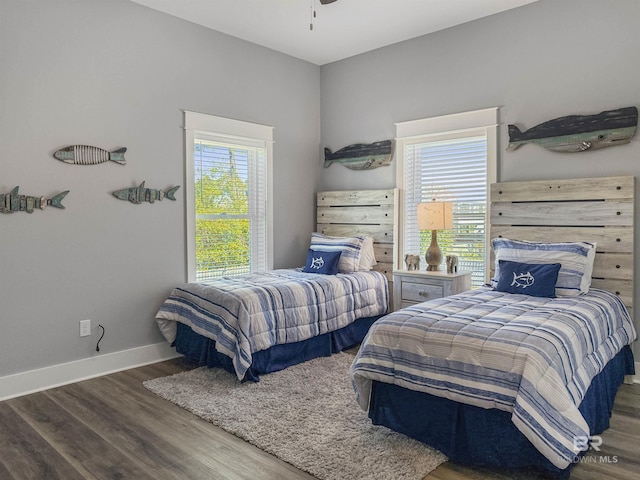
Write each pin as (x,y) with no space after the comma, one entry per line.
(228,165)
(450,158)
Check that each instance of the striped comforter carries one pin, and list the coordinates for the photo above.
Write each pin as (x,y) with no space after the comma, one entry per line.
(532,356)
(249,313)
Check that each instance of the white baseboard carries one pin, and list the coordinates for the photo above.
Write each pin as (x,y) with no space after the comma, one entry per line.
(636,377)
(19,384)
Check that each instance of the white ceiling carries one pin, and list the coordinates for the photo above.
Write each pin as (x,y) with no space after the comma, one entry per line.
(340,29)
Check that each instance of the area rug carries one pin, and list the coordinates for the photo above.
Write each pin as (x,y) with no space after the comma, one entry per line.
(306,415)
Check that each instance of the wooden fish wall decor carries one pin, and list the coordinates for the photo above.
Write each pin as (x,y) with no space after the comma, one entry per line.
(13,202)
(141,194)
(578,133)
(87,155)
(361,156)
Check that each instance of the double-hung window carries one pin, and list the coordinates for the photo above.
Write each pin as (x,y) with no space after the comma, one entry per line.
(228,171)
(450,158)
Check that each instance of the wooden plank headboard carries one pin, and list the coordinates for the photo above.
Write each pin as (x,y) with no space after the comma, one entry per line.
(372,213)
(588,209)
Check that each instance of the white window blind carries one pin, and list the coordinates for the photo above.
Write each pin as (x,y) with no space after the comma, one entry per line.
(455,166)
(230,215)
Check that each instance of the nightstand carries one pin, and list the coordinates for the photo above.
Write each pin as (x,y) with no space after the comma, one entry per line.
(411,287)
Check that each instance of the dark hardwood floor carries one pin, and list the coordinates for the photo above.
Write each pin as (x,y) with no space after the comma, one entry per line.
(113,428)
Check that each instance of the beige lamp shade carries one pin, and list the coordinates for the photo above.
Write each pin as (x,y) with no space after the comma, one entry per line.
(435,216)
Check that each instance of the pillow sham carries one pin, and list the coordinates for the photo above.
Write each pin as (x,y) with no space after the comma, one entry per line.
(367,255)
(349,246)
(535,279)
(575,259)
(325,263)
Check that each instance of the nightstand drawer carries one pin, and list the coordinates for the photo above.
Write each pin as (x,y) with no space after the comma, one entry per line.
(420,292)
(411,287)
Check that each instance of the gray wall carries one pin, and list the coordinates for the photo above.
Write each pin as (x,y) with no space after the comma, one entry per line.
(112,73)
(538,62)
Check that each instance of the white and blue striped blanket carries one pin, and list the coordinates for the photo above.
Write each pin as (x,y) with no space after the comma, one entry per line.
(532,356)
(250,313)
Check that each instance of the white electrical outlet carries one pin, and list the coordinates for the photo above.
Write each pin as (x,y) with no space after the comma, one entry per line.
(85,328)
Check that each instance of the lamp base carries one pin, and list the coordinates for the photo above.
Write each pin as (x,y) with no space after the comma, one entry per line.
(433,256)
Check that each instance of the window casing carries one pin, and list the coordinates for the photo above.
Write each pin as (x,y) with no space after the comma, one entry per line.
(229,212)
(450,158)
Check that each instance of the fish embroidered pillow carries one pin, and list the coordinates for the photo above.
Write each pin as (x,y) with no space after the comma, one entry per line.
(325,263)
(576,260)
(535,279)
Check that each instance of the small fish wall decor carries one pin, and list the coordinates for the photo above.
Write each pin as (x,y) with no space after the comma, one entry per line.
(87,155)
(14,202)
(578,133)
(361,156)
(141,194)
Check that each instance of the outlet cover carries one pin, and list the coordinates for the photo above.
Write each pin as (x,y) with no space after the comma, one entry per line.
(85,328)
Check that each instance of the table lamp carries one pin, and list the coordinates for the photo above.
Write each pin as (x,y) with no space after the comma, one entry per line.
(435,216)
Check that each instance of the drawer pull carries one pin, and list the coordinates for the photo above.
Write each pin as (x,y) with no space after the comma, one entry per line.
(423,293)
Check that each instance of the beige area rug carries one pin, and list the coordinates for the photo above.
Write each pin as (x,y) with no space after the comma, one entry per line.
(306,415)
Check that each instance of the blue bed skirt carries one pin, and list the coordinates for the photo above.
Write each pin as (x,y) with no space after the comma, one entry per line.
(474,436)
(202,350)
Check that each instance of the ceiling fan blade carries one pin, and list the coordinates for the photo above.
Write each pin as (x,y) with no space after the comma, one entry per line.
(325,2)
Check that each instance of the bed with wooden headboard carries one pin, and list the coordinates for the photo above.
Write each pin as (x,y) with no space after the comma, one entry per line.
(265,321)
(477,375)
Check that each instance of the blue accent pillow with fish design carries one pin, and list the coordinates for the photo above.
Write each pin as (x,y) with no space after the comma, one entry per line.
(535,279)
(325,263)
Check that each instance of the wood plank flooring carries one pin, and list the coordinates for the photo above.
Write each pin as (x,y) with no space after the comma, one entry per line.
(113,428)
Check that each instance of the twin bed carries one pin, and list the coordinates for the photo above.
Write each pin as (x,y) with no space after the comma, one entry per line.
(507,376)
(503,375)
(263,322)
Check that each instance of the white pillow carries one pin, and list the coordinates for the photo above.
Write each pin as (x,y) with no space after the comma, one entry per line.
(367,255)
(349,246)
(575,258)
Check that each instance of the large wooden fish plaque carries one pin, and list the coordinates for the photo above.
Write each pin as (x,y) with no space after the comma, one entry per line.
(361,156)
(578,133)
